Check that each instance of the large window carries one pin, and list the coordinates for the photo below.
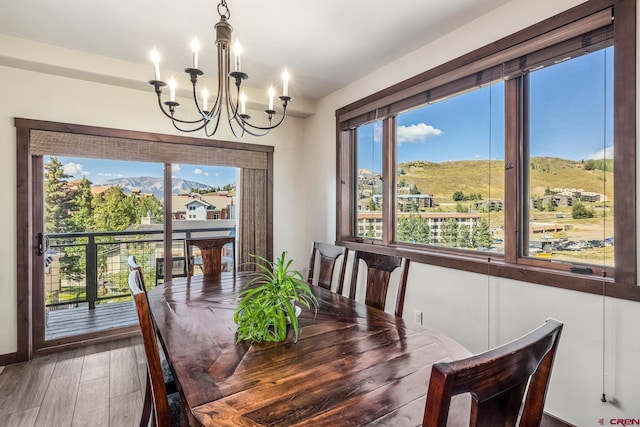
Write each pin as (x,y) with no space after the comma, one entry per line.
(570,163)
(522,152)
(449,174)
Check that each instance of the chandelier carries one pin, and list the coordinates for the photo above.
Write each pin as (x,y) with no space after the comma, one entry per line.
(233,105)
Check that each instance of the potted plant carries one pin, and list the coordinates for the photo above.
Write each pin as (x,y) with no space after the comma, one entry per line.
(269,300)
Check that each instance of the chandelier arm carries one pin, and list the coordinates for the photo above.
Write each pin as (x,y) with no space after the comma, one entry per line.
(174,119)
(267,128)
(195,129)
(215,128)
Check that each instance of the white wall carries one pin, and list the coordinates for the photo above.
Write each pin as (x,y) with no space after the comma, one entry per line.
(480,311)
(48,95)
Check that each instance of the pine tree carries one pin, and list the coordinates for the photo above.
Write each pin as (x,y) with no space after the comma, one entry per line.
(482,235)
(414,229)
(82,212)
(449,233)
(57,199)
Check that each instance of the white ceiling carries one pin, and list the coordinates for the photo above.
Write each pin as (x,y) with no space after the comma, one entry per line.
(325,44)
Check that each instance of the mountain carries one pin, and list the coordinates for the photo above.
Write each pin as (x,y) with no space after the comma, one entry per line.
(149,184)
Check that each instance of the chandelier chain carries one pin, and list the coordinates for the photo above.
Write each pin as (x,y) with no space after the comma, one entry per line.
(223,10)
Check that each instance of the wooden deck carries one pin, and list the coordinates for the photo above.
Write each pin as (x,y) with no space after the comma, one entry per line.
(81,320)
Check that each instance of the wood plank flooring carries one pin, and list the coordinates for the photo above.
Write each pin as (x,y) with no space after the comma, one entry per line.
(97,385)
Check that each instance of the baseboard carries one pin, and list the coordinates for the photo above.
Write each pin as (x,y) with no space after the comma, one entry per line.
(549,420)
(8,359)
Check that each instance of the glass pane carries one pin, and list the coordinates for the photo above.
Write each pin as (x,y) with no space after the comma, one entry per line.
(450,172)
(94,214)
(571,161)
(204,204)
(369,192)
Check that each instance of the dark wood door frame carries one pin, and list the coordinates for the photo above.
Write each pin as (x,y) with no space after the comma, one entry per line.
(28,165)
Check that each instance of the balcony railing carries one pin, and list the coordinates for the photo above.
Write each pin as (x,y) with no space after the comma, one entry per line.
(89,269)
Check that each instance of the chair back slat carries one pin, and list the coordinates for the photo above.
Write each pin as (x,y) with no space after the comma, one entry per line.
(328,257)
(504,383)
(379,270)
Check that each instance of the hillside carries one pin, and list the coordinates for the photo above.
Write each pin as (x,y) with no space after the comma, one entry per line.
(487,177)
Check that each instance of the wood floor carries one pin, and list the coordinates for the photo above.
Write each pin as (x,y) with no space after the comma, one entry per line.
(97,385)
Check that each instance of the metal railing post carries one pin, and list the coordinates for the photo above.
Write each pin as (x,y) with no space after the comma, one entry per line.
(92,272)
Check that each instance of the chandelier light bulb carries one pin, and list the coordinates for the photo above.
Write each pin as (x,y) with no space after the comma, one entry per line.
(237,51)
(172,89)
(285,83)
(205,99)
(155,59)
(272,93)
(243,103)
(195,48)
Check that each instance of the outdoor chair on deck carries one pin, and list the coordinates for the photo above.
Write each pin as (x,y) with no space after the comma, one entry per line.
(213,261)
(325,256)
(379,268)
(161,409)
(506,383)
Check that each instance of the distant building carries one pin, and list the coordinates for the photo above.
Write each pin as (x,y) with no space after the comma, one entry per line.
(370,223)
(200,207)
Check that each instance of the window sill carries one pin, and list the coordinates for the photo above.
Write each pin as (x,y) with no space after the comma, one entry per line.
(495,265)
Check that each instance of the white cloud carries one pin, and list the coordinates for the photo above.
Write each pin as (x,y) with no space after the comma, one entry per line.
(606,153)
(417,133)
(197,171)
(206,174)
(175,168)
(74,169)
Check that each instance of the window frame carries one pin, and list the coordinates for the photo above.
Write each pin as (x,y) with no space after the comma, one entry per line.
(481,65)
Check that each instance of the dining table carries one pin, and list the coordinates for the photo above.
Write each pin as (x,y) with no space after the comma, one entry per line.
(353,365)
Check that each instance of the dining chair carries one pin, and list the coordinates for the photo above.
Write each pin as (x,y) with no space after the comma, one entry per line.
(169,381)
(213,261)
(378,278)
(324,258)
(159,408)
(503,382)
(133,265)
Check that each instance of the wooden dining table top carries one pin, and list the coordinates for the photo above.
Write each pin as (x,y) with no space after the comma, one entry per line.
(352,365)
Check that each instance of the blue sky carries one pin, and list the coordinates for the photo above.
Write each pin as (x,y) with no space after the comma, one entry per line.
(567,110)
(98,171)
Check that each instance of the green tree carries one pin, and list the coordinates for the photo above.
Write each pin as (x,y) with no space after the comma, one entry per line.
(449,233)
(460,208)
(372,205)
(482,235)
(414,190)
(57,198)
(114,210)
(464,236)
(551,207)
(458,196)
(147,205)
(414,229)
(580,211)
(82,210)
